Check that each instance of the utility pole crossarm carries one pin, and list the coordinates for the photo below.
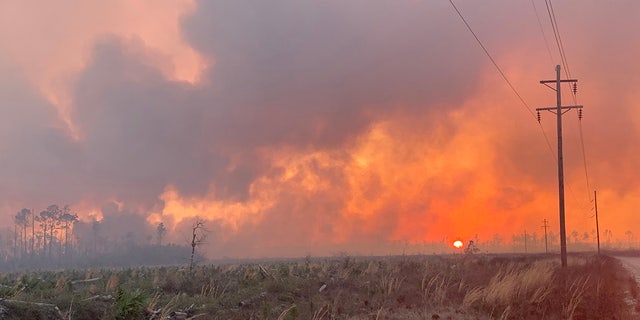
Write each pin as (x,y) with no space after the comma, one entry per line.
(556,81)
(556,108)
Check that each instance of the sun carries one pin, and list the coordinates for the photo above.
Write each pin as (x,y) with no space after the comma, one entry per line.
(458,244)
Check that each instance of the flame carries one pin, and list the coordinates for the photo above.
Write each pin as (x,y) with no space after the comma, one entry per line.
(392,181)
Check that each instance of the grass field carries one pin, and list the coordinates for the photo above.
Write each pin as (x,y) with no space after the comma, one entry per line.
(399,287)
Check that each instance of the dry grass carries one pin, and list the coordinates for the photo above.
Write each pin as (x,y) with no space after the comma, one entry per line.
(514,284)
(576,293)
(417,287)
(391,282)
(434,288)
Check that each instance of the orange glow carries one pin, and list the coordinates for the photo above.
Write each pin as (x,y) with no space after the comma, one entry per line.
(458,244)
(231,214)
(426,182)
(394,181)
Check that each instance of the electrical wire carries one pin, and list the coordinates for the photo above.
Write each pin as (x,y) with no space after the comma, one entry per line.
(558,38)
(544,36)
(565,63)
(524,103)
(556,33)
(504,77)
(584,160)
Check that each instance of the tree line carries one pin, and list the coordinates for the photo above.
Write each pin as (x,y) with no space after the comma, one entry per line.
(56,238)
(48,233)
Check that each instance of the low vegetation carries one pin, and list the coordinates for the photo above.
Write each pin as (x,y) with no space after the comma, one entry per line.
(402,287)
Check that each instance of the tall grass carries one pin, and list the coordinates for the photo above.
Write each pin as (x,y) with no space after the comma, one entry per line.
(514,285)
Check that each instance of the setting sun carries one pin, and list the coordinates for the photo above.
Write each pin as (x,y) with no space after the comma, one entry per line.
(458,244)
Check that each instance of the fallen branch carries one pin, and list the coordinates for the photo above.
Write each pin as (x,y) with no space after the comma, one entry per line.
(49,306)
(266,273)
(39,304)
(102,298)
(177,315)
(85,281)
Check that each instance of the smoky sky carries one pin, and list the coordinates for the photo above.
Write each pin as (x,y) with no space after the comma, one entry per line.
(285,73)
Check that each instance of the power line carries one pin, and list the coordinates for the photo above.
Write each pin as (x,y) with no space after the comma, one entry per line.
(492,60)
(563,57)
(544,36)
(504,77)
(559,113)
(584,157)
(524,103)
(558,38)
(556,33)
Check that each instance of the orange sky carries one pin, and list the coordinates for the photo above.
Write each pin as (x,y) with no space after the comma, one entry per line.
(320,127)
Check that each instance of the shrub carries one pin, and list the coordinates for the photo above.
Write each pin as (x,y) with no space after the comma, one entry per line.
(130,305)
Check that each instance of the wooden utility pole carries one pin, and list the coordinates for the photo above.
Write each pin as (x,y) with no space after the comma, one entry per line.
(595,201)
(559,110)
(546,246)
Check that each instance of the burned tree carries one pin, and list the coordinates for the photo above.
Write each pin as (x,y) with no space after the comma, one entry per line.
(21,220)
(161,231)
(67,220)
(197,238)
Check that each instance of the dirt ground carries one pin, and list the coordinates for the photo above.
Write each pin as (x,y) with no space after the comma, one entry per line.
(632,264)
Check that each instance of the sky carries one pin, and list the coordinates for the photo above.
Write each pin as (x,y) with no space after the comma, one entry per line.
(315,127)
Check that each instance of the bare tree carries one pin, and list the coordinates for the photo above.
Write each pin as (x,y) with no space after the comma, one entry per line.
(44,223)
(608,234)
(196,239)
(575,234)
(95,228)
(67,219)
(22,221)
(161,230)
(52,218)
(33,232)
(630,236)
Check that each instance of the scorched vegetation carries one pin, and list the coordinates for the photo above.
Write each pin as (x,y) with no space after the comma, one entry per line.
(401,287)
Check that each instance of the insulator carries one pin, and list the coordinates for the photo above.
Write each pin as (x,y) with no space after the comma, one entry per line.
(579,114)
(538,116)
(575,88)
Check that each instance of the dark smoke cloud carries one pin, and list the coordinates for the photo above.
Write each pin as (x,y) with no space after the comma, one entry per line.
(35,151)
(285,73)
(140,131)
(297,73)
